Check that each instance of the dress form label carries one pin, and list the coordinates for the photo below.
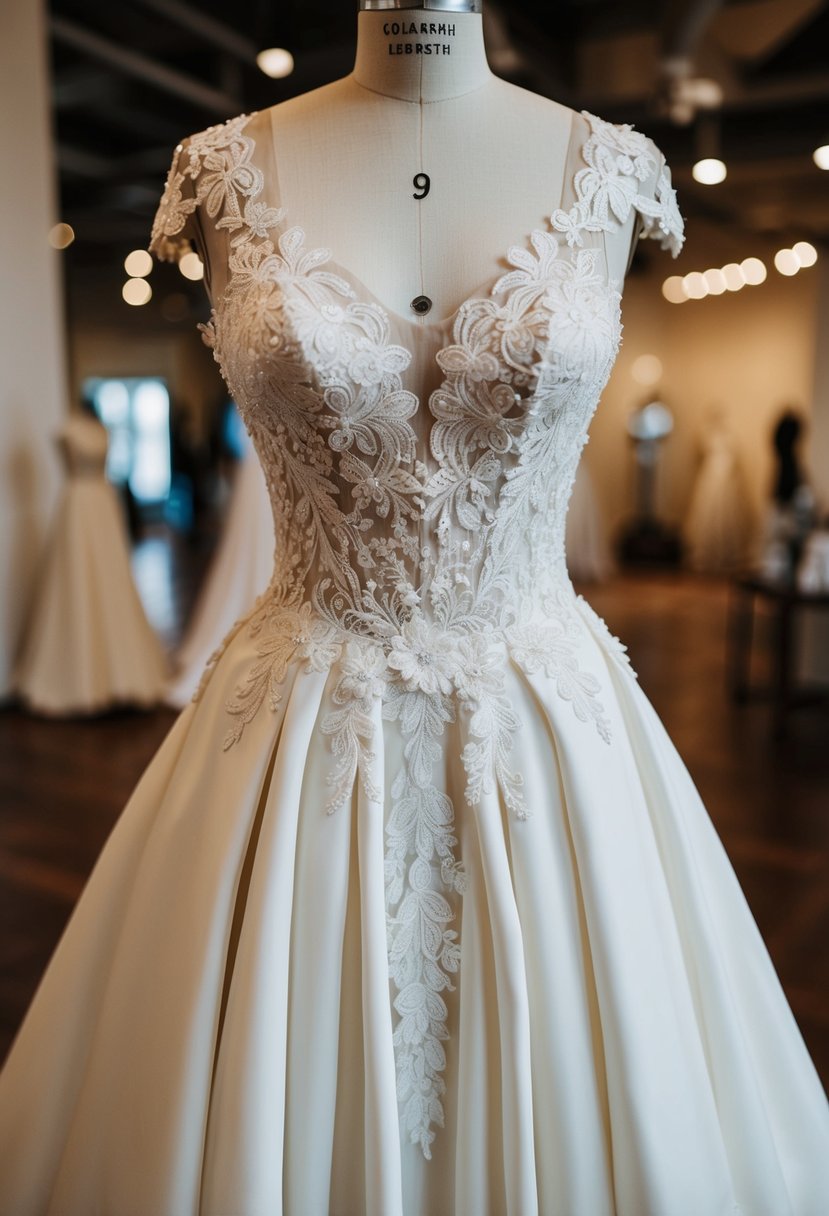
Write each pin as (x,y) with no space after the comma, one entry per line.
(438,29)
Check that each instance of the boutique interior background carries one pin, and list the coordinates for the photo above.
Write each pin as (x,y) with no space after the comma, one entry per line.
(93,96)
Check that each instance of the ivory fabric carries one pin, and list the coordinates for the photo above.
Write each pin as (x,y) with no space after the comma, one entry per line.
(416,912)
(88,644)
(239,572)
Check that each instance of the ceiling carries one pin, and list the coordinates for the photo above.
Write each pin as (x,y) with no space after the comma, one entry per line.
(131,79)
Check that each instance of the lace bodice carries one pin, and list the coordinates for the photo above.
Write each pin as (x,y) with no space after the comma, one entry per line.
(419,475)
(414,468)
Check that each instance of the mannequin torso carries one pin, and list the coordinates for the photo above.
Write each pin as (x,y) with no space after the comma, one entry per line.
(341,160)
(495,155)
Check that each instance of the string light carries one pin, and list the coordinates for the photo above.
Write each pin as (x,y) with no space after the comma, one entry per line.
(138,264)
(137,292)
(785,262)
(734,277)
(821,156)
(709,172)
(673,289)
(192,267)
(61,236)
(275,62)
(805,253)
(754,271)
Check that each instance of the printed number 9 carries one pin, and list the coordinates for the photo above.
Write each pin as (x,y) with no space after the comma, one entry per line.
(421,182)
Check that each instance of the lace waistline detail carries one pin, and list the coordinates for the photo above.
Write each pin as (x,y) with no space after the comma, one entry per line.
(421,675)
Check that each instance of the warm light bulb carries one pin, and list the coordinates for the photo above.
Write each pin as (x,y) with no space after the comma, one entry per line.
(821,156)
(138,264)
(673,290)
(715,282)
(61,236)
(734,277)
(786,262)
(192,267)
(695,285)
(754,272)
(805,253)
(275,62)
(709,172)
(136,291)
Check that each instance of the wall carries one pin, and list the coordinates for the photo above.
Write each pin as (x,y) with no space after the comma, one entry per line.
(33,381)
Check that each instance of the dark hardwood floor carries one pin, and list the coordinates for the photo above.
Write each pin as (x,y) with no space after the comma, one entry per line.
(63,784)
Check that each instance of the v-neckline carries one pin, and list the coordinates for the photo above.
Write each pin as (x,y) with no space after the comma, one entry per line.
(364,292)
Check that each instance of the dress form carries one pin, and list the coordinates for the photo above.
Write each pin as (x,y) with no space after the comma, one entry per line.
(347,153)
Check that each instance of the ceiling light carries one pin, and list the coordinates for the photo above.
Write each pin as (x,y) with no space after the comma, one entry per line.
(673,290)
(715,282)
(138,264)
(136,291)
(821,156)
(805,253)
(734,277)
(275,62)
(61,236)
(192,267)
(786,262)
(695,285)
(709,172)
(754,272)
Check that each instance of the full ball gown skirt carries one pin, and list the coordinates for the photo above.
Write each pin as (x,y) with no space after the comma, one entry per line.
(416,911)
(88,644)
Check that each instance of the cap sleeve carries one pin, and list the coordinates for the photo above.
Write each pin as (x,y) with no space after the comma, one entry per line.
(658,208)
(175,226)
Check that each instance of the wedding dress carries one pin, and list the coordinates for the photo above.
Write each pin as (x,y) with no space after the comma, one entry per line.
(586,543)
(88,645)
(717,524)
(416,910)
(239,572)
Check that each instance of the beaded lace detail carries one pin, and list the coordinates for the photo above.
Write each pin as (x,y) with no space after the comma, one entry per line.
(417,572)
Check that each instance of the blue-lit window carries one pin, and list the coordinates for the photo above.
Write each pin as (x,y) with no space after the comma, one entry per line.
(136,413)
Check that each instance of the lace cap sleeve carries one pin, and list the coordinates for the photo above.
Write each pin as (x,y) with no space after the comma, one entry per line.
(174,227)
(659,211)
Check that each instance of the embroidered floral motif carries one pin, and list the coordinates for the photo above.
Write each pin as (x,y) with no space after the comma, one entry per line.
(419,545)
(618,160)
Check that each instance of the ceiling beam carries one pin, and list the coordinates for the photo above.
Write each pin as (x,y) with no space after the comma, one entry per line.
(141,67)
(207,28)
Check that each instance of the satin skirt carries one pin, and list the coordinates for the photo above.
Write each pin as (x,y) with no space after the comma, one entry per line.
(213,1034)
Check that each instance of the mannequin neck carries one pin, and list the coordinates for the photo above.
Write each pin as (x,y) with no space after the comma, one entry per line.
(451,60)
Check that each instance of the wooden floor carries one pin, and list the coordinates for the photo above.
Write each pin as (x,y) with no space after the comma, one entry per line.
(63,784)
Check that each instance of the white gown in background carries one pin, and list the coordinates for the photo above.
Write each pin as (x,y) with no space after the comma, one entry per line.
(717,525)
(88,644)
(588,551)
(240,571)
(416,911)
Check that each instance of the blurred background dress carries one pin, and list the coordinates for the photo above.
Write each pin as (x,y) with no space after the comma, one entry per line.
(239,572)
(718,525)
(88,644)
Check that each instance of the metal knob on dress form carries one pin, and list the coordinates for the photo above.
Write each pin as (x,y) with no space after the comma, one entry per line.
(421,304)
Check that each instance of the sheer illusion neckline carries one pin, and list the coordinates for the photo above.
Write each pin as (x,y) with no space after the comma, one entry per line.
(481,291)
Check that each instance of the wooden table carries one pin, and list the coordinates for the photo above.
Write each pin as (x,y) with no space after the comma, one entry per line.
(787,605)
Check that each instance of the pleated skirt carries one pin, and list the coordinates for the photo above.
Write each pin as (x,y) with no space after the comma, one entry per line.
(214,1033)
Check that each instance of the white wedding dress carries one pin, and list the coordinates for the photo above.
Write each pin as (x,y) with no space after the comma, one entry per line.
(88,645)
(239,572)
(416,910)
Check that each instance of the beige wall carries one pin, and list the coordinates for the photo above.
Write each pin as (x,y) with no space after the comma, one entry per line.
(33,379)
